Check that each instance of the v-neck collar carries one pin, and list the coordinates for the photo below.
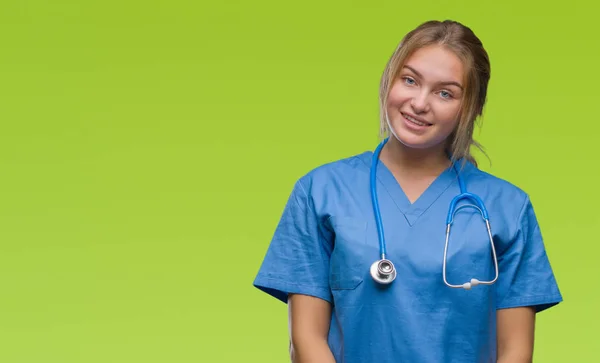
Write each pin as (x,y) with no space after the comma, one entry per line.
(411,211)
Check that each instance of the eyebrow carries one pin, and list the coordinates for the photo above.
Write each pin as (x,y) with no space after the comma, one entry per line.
(444,83)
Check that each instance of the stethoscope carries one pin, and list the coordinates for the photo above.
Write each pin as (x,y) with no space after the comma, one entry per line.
(383,270)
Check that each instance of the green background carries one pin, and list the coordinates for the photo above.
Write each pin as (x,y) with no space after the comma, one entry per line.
(147,146)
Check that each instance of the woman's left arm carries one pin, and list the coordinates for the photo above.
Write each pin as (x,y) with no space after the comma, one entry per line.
(515,334)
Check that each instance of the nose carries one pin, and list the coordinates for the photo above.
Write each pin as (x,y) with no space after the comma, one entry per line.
(420,103)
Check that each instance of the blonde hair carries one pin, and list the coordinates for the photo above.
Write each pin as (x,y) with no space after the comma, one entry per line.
(466,45)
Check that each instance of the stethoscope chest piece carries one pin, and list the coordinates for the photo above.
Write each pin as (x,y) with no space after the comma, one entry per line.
(383,271)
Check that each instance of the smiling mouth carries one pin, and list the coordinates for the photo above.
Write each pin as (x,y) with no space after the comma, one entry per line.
(415,121)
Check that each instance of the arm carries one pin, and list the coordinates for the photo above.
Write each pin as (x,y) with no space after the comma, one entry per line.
(515,335)
(309,319)
(527,278)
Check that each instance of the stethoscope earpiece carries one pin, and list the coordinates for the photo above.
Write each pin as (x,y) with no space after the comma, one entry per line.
(469,285)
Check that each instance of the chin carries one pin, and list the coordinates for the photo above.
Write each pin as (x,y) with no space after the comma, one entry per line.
(420,141)
(410,139)
(416,143)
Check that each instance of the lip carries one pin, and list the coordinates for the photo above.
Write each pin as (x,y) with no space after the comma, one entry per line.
(404,114)
(412,126)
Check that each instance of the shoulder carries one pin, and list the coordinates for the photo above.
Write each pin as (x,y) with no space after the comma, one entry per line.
(501,189)
(345,170)
(507,203)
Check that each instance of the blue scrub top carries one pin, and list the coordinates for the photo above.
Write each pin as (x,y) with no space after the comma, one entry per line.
(326,241)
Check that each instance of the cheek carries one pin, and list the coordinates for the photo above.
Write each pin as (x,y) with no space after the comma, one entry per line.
(447,115)
(397,95)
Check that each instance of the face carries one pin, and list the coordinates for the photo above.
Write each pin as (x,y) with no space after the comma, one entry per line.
(425,99)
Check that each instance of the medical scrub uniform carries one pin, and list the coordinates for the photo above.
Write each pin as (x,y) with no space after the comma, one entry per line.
(326,241)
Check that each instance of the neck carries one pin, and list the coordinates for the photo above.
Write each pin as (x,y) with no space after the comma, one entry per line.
(414,162)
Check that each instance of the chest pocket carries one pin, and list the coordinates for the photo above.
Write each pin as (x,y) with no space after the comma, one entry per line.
(347,266)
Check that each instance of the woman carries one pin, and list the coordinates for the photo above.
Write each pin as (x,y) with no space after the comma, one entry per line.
(363,253)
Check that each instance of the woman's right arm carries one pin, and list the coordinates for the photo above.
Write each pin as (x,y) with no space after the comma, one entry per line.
(309,319)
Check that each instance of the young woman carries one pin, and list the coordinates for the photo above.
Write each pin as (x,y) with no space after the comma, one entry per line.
(411,253)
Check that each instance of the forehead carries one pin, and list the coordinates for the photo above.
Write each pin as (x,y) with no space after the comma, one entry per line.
(437,64)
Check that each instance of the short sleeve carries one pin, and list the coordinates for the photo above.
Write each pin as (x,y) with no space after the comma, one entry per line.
(526,277)
(297,259)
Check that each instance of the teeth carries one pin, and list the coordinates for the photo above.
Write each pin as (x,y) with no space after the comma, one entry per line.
(415,121)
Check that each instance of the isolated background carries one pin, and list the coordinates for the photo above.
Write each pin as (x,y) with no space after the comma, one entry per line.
(147,150)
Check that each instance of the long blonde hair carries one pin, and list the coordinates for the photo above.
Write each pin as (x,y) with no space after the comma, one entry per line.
(467,46)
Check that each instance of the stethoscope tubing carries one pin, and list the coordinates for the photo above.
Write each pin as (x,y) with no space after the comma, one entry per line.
(387,275)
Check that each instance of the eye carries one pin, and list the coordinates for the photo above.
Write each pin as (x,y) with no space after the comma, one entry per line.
(445,94)
(409,81)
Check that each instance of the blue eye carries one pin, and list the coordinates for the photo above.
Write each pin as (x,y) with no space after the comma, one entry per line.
(409,81)
(445,94)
